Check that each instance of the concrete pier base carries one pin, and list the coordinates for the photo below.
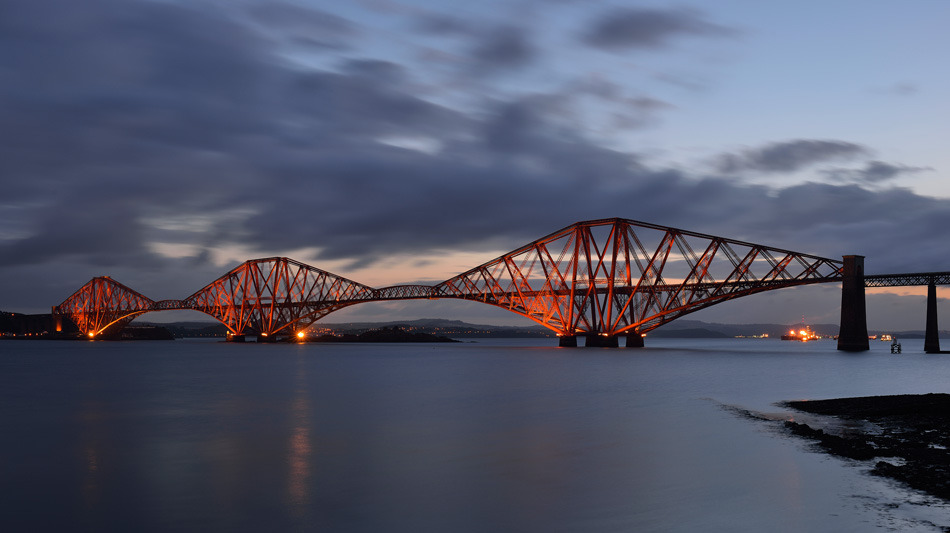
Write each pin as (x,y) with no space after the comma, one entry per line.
(853,332)
(634,340)
(567,341)
(236,338)
(601,341)
(267,338)
(932,336)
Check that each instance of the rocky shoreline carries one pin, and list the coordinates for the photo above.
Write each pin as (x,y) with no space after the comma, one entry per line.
(909,435)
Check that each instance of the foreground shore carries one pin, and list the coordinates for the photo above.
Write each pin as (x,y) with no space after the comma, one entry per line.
(909,435)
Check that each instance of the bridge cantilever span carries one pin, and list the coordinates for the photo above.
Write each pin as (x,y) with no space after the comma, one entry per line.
(616,276)
(597,279)
(103,305)
(274,295)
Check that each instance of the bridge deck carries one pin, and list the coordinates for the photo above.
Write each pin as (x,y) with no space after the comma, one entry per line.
(907,280)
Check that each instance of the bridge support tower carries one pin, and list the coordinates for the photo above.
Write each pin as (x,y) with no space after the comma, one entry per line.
(853,330)
(594,340)
(634,340)
(932,336)
(567,341)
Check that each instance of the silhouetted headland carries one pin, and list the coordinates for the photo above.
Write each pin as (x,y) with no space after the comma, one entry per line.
(393,334)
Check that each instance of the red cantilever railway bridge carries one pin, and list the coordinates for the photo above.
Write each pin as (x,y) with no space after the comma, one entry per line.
(598,279)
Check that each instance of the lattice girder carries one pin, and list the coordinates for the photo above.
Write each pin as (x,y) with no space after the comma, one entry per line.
(102,306)
(616,275)
(602,277)
(275,295)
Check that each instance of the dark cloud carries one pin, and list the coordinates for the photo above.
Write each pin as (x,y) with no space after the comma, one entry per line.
(444,25)
(298,25)
(625,28)
(125,125)
(788,156)
(503,48)
(102,233)
(627,112)
(873,172)
(489,48)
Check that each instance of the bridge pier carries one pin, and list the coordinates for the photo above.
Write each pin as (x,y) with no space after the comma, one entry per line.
(634,340)
(601,341)
(853,329)
(932,336)
(567,341)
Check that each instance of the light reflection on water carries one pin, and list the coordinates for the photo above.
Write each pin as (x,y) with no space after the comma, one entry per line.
(506,435)
(298,488)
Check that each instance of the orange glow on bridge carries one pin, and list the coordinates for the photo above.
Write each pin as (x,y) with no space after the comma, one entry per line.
(597,278)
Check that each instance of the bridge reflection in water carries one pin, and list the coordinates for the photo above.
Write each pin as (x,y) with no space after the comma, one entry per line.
(600,279)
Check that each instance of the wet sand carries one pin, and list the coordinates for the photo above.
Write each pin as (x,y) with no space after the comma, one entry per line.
(909,435)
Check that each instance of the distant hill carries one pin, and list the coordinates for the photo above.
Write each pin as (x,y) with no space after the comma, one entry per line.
(428,326)
(691,328)
(738,330)
(192,329)
(687,333)
(439,326)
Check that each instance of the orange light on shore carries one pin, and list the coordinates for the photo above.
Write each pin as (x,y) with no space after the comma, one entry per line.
(92,334)
(300,335)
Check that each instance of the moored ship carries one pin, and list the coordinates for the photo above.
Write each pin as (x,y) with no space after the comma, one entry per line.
(803,334)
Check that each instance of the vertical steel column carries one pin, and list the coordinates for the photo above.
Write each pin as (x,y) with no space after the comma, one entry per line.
(932,337)
(853,332)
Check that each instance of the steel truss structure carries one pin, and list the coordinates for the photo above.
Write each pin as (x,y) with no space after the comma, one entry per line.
(616,276)
(270,296)
(102,306)
(600,277)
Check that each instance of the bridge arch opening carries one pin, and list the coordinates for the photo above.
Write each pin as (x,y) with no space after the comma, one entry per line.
(166,316)
(437,308)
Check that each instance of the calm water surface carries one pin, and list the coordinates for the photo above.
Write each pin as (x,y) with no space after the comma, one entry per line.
(499,435)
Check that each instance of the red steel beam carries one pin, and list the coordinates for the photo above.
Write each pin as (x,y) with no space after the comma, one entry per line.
(610,276)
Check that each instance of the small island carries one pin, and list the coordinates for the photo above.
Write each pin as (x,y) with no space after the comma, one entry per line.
(908,434)
(384,334)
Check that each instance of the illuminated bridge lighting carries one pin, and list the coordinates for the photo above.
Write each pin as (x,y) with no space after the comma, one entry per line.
(598,278)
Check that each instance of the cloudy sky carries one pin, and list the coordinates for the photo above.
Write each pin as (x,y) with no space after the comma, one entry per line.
(163,142)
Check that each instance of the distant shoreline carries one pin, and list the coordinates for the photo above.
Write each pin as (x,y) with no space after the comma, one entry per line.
(393,334)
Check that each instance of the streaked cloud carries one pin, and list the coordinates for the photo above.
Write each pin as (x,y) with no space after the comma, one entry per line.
(788,156)
(873,172)
(623,28)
